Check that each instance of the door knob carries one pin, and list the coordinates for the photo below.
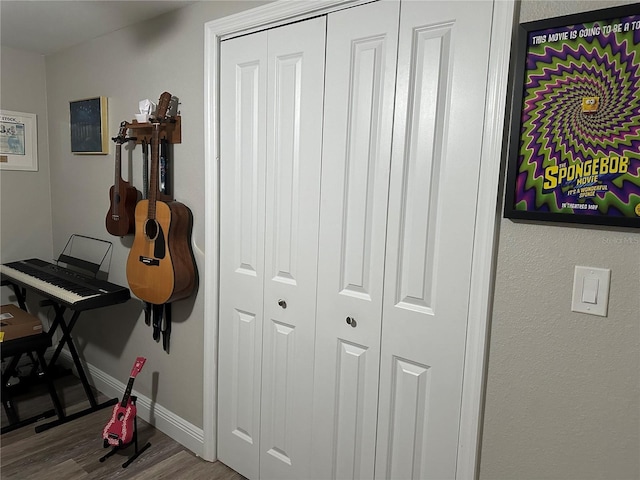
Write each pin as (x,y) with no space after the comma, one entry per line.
(352,321)
(282,303)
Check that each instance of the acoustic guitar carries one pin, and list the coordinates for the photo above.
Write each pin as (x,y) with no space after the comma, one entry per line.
(123,196)
(120,428)
(161,267)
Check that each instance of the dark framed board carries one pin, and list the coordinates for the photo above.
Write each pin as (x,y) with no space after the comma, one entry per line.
(88,125)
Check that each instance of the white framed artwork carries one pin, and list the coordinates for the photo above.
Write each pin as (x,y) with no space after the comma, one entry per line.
(18,141)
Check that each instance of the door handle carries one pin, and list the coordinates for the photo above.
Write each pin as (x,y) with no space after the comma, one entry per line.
(282,303)
(352,321)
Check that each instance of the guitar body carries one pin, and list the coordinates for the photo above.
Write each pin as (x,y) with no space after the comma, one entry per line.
(119,430)
(123,196)
(161,267)
(120,219)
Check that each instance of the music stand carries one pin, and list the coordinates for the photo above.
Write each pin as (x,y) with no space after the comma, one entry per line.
(85,255)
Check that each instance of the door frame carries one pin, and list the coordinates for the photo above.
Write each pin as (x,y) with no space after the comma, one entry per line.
(487,218)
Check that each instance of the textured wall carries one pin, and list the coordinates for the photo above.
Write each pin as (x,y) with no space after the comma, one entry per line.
(163,54)
(25,195)
(563,388)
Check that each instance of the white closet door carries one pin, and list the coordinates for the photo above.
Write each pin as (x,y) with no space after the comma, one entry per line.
(360,83)
(440,103)
(243,82)
(294,145)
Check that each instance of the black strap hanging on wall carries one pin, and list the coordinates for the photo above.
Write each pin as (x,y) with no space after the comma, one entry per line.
(165,168)
(147,312)
(148,307)
(162,324)
(145,169)
(166,331)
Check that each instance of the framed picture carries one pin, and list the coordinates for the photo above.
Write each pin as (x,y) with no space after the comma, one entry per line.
(89,130)
(574,151)
(18,141)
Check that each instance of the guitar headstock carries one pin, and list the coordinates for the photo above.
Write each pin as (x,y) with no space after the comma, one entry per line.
(163,106)
(137,366)
(122,133)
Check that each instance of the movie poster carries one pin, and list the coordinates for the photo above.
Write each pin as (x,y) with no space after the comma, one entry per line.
(575,140)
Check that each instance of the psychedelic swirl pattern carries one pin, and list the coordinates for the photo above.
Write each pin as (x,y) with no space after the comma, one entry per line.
(580,127)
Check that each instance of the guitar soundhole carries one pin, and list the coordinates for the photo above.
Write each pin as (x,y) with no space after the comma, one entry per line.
(120,416)
(151,229)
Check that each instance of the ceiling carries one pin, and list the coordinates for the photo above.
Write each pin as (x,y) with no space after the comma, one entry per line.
(50,26)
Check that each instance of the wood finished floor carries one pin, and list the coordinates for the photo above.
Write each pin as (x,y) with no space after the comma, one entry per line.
(72,451)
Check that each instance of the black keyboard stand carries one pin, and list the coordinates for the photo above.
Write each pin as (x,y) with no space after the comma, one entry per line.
(66,339)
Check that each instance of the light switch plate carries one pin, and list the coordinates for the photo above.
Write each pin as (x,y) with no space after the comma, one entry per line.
(591,290)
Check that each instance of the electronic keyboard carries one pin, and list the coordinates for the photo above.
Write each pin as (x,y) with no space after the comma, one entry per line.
(63,285)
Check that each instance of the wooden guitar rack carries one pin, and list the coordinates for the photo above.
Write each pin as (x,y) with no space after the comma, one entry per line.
(170,129)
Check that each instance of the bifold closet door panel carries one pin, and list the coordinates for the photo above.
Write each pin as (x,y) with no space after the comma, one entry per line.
(294,145)
(442,74)
(358,120)
(243,82)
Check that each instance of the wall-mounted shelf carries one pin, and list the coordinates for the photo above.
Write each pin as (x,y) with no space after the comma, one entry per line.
(170,129)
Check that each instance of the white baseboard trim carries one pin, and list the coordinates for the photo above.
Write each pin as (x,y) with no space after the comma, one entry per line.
(182,431)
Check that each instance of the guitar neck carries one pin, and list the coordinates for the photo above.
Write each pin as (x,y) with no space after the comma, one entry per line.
(118,171)
(153,180)
(118,177)
(118,168)
(154,184)
(127,393)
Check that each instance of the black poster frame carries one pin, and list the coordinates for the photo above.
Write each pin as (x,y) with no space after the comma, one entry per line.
(574,147)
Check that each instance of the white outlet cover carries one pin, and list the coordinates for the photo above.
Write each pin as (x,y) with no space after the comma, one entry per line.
(585,279)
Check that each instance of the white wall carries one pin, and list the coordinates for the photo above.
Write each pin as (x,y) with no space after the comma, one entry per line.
(165,54)
(563,389)
(25,197)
